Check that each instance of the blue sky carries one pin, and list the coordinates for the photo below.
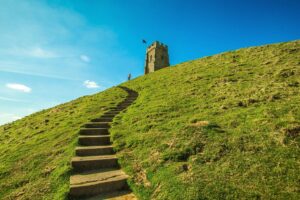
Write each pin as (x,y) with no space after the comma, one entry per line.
(54,51)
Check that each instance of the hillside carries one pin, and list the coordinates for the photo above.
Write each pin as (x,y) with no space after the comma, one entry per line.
(221,127)
(224,126)
(36,150)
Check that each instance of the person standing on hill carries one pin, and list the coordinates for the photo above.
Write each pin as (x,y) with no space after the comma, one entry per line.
(129,77)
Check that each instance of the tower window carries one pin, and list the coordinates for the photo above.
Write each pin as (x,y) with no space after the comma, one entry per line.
(162,57)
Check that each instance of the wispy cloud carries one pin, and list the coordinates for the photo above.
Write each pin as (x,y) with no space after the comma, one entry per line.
(8,117)
(19,87)
(38,52)
(11,99)
(13,116)
(34,52)
(85,58)
(43,40)
(90,84)
(37,74)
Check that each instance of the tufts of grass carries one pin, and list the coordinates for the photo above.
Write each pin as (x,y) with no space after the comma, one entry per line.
(36,150)
(220,127)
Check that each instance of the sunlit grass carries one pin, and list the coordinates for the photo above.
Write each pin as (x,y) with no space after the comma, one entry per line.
(36,151)
(221,127)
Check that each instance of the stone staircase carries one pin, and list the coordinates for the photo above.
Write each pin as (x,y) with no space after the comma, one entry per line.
(97,174)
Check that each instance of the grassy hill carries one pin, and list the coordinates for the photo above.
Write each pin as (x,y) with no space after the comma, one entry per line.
(36,150)
(224,126)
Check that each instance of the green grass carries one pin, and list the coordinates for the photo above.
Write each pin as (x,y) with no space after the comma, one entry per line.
(36,150)
(221,127)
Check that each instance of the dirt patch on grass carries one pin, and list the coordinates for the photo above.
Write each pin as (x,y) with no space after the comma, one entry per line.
(140,176)
(200,123)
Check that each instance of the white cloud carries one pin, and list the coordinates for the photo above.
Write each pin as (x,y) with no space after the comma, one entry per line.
(34,52)
(90,84)
(11,99)
(8,70)
(8,117)
(15,117)
(31,110)
(85,58)
(19,87)
(40,53)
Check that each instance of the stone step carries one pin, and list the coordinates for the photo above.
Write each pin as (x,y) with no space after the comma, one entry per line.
(92,140)
(94,150)
(130,99)
(97,125)
(117,195)
(112,112)
(97,182)
(86,163)
(102,119)
(94,131)
(108,115)
(132,94)
(124,105)
(117,109)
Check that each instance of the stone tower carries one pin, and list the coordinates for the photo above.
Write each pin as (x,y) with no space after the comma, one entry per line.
(157,57)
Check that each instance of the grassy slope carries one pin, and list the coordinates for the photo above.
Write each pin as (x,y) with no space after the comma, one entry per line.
(36,151)
(225,126)
(222,126)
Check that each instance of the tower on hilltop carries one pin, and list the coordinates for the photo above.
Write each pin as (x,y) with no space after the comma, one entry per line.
(157,57)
